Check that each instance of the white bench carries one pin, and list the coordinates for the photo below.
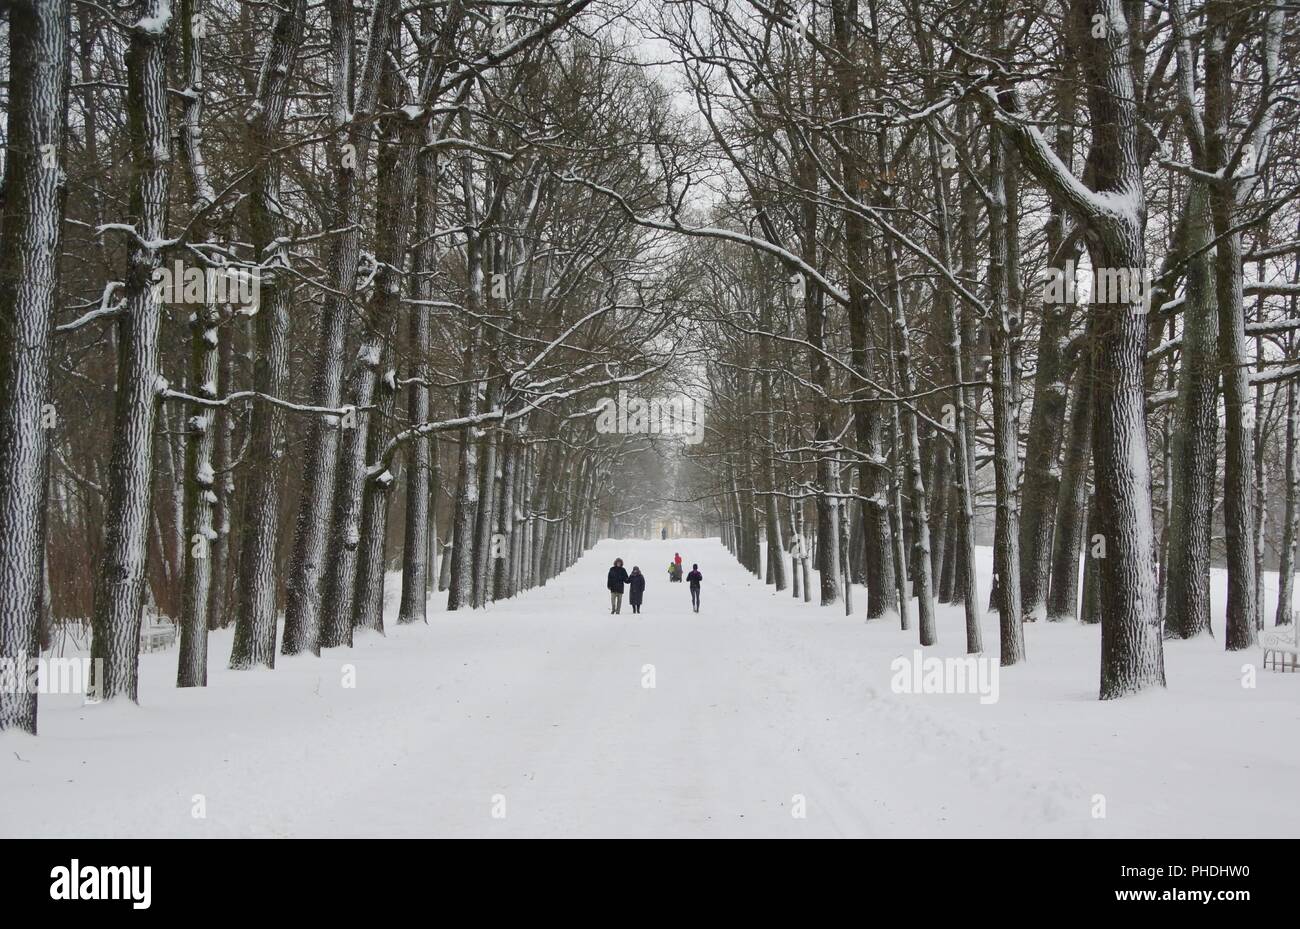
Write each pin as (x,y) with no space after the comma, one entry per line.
(157,633)
(1280,647)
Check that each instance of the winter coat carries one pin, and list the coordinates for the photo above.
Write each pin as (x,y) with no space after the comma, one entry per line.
(695,577)
(617,578)
(636,588)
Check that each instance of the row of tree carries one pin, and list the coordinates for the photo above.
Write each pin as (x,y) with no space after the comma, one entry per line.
(909,192)
(266,265)
(465,224)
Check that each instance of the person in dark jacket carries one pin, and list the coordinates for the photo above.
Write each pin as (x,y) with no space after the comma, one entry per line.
(636,588)
(617,578)
(694,579)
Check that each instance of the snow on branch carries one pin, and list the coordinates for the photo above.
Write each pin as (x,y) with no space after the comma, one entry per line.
(105,310)
(167,393)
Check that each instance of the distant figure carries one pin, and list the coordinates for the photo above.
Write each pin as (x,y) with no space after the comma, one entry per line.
(694,578)
(636,588)
(663,533)
(617,578)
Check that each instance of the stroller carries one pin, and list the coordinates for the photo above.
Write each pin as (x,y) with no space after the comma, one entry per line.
(675,573)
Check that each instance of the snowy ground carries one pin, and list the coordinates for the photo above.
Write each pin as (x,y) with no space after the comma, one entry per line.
(532,718)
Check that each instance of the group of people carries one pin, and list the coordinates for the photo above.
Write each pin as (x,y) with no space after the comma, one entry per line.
(635,582)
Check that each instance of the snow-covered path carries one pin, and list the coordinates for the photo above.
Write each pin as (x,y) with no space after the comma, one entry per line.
(534,718)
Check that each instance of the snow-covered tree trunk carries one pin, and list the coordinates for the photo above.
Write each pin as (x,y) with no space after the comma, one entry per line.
(910,445)
(345,521)
(485,515)
(1113,213)
(460,588)
(814,309)
(397,170)
(200,432)
(795,542)
(846,578)
(937,483)
(224,488)
(1094,551)
(963,494)
(1195,432)
(31,221)
(120,589)
(1286,561)
(435,527)
(349,159)
(1068,538)
(1004,291)
(948,570)
(420,500)
(1042,476)
(503,561)
(461,591)
(1258,441)
(355,566)
(255,588)
(368,595)
(1221,41)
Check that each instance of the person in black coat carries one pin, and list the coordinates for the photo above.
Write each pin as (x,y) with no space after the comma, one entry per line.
(694,579)
(617,578)
(636,588)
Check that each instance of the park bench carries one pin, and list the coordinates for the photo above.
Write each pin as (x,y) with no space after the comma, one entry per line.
(157,633)
(1280,647)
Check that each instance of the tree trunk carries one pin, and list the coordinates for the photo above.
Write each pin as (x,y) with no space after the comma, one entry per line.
(31,224)
(1286,566)
(963,490)
(1195,435)
(198,535)
(1004,288)
(120,591)
(1068,540)
(224,488)
(255,625)
(1114,219)
(419,540)
(349,158)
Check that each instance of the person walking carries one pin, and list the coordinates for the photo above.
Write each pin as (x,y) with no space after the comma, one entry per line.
(617,578)
(636,588)
(694,579)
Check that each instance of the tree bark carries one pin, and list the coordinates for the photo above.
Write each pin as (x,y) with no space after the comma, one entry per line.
(31,224)
(1195,434)
(349,158)
(120,591)
(255,624)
